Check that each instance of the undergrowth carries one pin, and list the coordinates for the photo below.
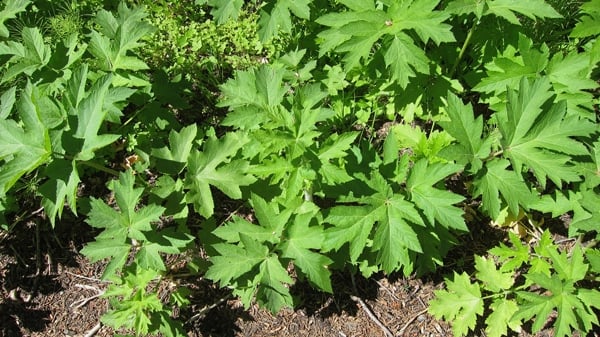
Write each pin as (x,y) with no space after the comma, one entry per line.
(341,124)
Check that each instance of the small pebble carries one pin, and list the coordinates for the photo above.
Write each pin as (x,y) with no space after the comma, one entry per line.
(421,318)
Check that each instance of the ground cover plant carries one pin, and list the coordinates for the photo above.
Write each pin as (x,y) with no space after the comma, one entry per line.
(363,136)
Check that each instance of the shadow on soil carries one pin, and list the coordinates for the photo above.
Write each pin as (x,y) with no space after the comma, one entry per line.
(30,256)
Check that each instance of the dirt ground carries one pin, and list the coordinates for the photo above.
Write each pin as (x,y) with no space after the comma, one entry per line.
(48,289)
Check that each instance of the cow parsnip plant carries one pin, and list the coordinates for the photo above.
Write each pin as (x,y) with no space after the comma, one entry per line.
(343,141)
(519,283)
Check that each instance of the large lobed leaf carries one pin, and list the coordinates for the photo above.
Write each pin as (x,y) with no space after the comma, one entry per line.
(214,167)
(25,146)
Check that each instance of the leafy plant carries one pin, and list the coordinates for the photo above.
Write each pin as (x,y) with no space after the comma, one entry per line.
(516,284)
(358,131)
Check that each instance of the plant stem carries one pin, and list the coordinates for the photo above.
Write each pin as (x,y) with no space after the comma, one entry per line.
(464,48)
(101,168)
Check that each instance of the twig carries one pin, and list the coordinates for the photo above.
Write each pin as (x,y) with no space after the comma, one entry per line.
(401,332)
(372,316)
(86,278)
(207,308)
(81,303)
(388,290)
(93,330)
(367,310)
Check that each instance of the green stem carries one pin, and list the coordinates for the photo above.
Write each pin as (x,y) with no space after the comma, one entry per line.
(463,49)
(100,168)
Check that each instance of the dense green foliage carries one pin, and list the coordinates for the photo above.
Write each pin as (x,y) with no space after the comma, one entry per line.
(358,132)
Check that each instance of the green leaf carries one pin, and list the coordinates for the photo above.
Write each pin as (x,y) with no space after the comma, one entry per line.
(225,10)
(62,185)
(540,137)
(495,182)
(117,36)
(396,232)
(384,217)
(507,70)
(131,223)
(416,61)
(167,240)
(436,204)
(514,257)
(251,95)
(22,147)
(273,292)
(173,160)
(214,167)
(501,317)
(356,31)
(299,244)
(279,18)
(28,56)
(10,10)
(7,101)
(562,297)
(532,9)
(461,303)
(136,306)
(234,261)
(492,278)
(588,25)
(91,115)
(467,131)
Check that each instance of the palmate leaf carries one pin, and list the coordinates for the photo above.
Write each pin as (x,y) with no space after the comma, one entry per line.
(91,114)
(24,147)
(279,19)
(251,95)
(507,9)
(390,215)
(501,318)
(436,204)
(173,160)
(539,137)
(271,223)
(224,10)
(214,167)
(273,292)
(300,242)
(588,25)
(563,298)
(257,273)
(28,56)
(461,303)
(117,36)
(354,33)
(61,185)
(468,131)
(496,184)
(508,69)
(120,227)
(493,279)
(10,10)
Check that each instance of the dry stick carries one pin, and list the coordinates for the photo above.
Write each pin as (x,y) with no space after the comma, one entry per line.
(93,330)
(204,310)
(367,310)
(372,316)
(401,332)
(80,303)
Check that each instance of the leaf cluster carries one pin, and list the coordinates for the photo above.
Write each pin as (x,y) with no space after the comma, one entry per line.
(519,283)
